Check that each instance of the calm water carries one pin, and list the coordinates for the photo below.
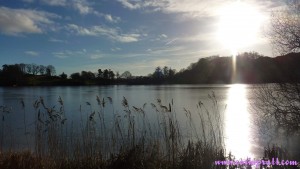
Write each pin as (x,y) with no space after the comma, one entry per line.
(242,135)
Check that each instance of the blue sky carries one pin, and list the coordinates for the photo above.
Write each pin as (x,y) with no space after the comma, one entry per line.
(134,35)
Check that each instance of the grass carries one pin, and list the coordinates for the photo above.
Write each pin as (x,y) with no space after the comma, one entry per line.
(129,139)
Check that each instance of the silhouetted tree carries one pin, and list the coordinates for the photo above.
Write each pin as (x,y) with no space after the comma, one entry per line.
(100,74)
(75,76)
(50,70)
(63,75)
(105,74)
(87,75)
(34,68)
(111,74)
(12,75)
(158,73)
(126,75)
(172,72)
(117,75)
(281,101)
(166,71)
(23,67)
(29,68)
(250,55)
(42,69)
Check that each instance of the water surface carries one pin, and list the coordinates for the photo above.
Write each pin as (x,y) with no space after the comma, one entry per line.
(234,103)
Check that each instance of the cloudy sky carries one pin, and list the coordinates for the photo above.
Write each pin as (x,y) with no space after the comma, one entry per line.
(134,35)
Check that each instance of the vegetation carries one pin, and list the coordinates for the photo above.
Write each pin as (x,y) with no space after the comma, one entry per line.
(281,101)
(129,139)
(285,25)
(251,68)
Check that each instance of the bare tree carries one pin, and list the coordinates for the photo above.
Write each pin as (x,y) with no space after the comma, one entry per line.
(50,70)
(285,28)
(22,67)
(35,69)
(29,68)
(42,69)
(281,101)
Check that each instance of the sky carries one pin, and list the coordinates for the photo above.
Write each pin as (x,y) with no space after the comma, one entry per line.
(121,35)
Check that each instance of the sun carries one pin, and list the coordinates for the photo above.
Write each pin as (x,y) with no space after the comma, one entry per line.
(239,25)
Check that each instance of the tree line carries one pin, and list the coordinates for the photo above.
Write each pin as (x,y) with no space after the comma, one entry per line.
(251,67)
(19,74)
(33,69)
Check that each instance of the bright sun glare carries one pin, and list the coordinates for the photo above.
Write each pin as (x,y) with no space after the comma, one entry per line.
(237,123)
(239,25)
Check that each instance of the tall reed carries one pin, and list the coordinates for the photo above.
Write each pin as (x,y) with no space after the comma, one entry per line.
(130,138)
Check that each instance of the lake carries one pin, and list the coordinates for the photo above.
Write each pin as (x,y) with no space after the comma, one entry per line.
(235,103)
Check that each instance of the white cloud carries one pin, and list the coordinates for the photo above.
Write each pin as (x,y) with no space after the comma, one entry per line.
(57,40)
(187,8)
(97,55)
(68,53)
(112,19)
(130,5)
(190,8)
(18,21)
(163,36)
(160,37)
(115,49)
(55,2)
(160,52)
(108,17)
(31,53)
(83,7)
(171,41)
(169,51)
(127,38)
(208,37)
(98,31)
(60,55)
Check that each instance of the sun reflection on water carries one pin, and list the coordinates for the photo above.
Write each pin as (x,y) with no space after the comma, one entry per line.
(237,123)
